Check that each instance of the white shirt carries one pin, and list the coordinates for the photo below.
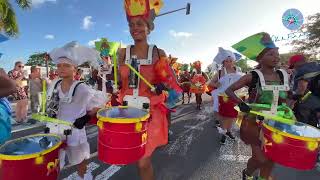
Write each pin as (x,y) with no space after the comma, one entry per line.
(76,109)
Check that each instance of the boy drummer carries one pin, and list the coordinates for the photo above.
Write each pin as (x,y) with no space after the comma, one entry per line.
(74,110)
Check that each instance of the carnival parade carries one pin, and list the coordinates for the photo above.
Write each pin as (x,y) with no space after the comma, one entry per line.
(136,104)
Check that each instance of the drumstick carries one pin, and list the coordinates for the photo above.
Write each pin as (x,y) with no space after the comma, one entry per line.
(49,119)
(44,96)
(275,118)
(141,77)
(115,73)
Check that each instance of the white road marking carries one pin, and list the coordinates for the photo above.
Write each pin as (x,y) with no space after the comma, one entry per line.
(108,172)
(194,127)
(237,158)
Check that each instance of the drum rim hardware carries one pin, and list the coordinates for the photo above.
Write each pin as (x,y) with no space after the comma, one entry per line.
(121,120)
(33,155)
(303,138)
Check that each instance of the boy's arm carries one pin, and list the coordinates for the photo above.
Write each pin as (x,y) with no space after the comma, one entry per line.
(7,85)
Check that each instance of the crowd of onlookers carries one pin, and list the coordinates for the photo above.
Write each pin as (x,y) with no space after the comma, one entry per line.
(28,89)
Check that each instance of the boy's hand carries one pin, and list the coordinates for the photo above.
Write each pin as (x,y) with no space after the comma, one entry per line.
(81,122)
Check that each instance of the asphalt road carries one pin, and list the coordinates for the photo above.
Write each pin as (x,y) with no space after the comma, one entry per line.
(194,153)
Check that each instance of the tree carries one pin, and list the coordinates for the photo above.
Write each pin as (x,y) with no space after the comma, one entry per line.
(39,59)
(8,21)
(311,44)
(242,63)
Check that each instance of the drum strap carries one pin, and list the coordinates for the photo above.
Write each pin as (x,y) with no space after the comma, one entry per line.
(147,61)
(71,93)
(274,88)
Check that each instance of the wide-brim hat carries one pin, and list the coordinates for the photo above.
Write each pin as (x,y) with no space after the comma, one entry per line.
(224,54)
(75,54)
(253,45)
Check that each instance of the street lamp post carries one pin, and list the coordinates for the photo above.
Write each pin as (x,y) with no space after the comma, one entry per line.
(187,8)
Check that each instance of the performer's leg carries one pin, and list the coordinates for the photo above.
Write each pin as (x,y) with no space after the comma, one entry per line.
(145,169)
(18,111)
(183,97)
(266,169)
(255,162)
(189,97)
(228,122)
(82,168)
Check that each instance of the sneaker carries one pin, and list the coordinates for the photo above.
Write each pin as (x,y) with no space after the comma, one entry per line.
(217,124)
(223,140)
(247,177)
(230,135)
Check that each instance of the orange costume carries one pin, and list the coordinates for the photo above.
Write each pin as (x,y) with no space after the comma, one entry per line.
(198,80)
(158,124)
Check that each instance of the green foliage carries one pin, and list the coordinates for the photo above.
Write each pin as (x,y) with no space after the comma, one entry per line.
(8,21)
(242,63)
(39,59)
(311,44)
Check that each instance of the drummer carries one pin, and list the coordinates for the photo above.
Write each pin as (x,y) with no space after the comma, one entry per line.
(229,74)
(77,150)
(258,47)
(140,26)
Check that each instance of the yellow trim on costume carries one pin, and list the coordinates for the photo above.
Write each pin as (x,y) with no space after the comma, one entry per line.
(44,118)
(122,120)
(29,156)
(307,139)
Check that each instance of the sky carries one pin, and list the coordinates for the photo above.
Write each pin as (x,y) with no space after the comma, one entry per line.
(211,24)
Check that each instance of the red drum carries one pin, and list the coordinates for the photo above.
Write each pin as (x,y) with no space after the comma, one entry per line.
(294,146)
(226,107)
(31,157)
(122,134)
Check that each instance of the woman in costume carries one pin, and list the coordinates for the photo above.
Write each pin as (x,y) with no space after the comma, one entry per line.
(20,95)
(198,83)
(258,47)
(147,60)
(226,76)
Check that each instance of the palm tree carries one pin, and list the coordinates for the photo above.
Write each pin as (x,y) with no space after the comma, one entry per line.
(8,21)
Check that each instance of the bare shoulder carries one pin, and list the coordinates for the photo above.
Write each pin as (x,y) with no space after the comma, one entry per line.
(159,51)
(121,55)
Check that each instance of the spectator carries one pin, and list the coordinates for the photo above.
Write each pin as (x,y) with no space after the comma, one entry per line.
(20,95)
(7,87)
(35,90)
(79,75)
(53,74)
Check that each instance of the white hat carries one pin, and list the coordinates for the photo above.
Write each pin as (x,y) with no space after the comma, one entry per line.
(223,55)
(73,53)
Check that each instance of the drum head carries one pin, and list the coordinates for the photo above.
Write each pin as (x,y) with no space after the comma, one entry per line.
(29,145)
(298,129)
(122,113)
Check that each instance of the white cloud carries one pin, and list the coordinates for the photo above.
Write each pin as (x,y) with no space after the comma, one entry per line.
(91,43)
(49,36)
(87,22)
(39,2)
(108,25)
(180,34)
